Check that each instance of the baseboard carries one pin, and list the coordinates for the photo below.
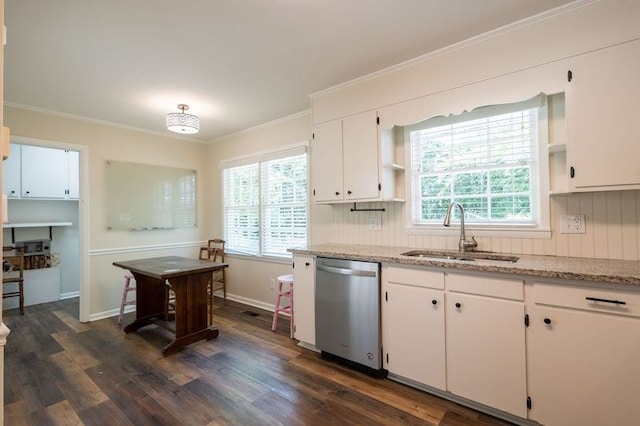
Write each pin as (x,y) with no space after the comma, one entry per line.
(235,298)
(69,295)
(111,313)
(250,302)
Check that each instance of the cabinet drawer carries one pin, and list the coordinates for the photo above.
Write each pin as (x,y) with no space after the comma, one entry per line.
(486,286)
(590,299)
(414,277)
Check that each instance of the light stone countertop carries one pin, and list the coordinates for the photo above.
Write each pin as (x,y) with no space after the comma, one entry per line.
(575,268)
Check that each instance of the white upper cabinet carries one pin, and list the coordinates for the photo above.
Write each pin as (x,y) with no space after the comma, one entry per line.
(347,163)
(11,172)
(360,157)
(42,173)
(603,129)
(74,174)
(326,162)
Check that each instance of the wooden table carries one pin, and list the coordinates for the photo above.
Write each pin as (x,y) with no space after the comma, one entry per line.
(189,279)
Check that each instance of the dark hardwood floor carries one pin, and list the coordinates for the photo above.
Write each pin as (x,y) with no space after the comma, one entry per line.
(62,372)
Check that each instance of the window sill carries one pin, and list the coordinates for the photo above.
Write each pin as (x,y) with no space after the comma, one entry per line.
(485,231)
(257,258)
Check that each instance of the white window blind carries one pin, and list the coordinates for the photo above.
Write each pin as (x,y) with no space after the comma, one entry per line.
(265,203)
(241,195)
(486,160)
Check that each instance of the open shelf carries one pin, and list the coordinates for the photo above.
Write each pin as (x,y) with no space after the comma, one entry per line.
(49,225)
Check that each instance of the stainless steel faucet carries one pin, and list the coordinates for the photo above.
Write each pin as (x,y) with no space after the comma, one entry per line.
(464,244)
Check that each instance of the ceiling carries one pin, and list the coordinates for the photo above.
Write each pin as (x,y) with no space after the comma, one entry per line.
(236,63)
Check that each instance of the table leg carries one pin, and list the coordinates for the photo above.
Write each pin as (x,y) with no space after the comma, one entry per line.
(150,302)
(191,311)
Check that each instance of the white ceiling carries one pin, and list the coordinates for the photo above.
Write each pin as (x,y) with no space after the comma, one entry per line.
(237,63)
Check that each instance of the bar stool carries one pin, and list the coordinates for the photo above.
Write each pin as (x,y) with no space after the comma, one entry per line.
(125,291)
(284,280)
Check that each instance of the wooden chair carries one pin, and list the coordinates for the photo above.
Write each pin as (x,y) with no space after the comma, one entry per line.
(13,273)
(125,292)
(214,251)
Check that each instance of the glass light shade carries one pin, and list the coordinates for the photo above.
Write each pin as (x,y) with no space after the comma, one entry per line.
(181,122)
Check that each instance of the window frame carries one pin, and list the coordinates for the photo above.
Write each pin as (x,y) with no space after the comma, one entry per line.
(259,158)
(541,229)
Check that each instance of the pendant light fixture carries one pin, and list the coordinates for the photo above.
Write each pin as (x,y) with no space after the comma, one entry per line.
(181,122)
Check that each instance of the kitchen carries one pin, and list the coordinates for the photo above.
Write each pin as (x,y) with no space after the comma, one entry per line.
(611,216)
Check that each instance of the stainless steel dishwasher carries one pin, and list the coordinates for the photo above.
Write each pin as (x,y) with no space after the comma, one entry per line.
(348,312)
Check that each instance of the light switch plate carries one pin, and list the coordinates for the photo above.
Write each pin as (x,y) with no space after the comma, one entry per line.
(572,224)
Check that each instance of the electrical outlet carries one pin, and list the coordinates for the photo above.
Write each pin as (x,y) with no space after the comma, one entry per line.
(375,223)
(572,224)
(272,283)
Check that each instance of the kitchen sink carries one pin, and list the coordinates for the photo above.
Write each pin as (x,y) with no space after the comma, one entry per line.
(469,256)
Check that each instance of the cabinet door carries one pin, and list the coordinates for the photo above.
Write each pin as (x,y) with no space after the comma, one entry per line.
(74,174)
(11,172)
(326,162)
(304,318)
(486,351)
(602,119)
(44,172)
(360,150)
(584,368)
(413,337)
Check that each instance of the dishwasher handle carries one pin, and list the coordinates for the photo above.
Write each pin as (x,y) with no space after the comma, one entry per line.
(345,271)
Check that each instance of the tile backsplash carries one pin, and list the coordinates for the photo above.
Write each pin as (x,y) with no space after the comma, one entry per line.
(612,228)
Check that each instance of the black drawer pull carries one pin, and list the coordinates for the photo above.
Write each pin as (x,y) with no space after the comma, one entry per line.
(597,299)
(434,302)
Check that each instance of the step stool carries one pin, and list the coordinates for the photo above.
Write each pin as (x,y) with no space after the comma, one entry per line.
(285,289)
(125,291)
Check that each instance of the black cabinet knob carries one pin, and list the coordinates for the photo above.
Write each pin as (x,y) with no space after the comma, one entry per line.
(337,193)
(458,305)
(349,192)
(434,302)
(547,321)
(306,264)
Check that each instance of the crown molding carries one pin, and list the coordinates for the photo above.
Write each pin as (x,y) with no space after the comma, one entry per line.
(457,46)
(262,126)
(100,122)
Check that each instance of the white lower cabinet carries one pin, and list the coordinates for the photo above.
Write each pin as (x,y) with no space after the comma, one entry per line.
(485,341)
(413,324)
(304,279)
(584,356)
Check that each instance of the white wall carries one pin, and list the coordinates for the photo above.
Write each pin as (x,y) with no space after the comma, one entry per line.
(247,278)
(589,26)
(612,229)
(103,143)
(613,218)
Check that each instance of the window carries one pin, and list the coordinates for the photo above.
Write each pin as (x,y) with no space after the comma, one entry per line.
(486,159)
(265,203)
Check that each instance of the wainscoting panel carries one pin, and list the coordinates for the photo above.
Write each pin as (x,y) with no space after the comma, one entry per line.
(612,228)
